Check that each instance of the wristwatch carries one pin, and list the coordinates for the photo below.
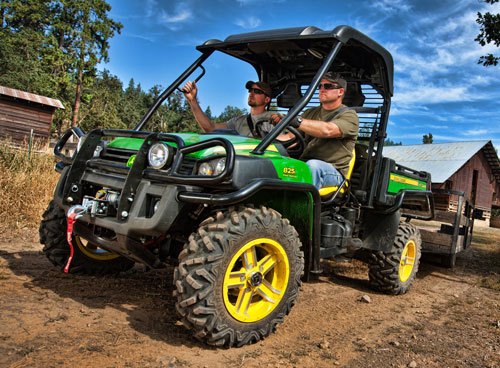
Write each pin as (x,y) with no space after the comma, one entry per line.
(298,120)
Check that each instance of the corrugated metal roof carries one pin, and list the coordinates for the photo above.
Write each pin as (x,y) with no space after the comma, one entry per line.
(441,160)
(30,97)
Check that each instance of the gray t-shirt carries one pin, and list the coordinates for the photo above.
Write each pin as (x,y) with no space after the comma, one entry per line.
(239,123)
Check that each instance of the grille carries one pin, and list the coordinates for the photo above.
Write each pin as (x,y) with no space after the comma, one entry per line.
(187,166)
(118,155)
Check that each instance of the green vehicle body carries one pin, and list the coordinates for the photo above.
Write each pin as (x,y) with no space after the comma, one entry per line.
(121,210)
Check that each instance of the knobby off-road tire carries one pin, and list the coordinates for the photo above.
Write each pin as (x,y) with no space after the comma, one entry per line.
(87,258)
(394,272)
(238,276)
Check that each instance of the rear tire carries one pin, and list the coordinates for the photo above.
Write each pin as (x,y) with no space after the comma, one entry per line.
(238,276)
(394,272)
(87,258)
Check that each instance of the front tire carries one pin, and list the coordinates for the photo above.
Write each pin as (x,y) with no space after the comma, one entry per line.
(87,258)
(394,272)
(238,276)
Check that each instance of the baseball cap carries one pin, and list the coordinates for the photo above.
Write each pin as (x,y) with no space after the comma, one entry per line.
(266,88)
(335,78)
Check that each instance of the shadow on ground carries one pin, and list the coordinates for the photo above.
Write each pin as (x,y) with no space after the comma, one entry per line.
(145,296)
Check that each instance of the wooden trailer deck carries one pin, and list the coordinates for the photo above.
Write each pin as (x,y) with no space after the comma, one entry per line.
(450,232)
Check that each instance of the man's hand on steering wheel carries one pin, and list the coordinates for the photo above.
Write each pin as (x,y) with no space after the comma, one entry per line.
(293,141)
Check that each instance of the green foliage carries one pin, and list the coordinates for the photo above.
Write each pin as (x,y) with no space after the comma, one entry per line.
(427,138)
(388,142)
(230,112)
(489,33)
(52,47)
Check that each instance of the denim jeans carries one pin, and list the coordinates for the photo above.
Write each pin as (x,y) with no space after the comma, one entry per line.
(324,174)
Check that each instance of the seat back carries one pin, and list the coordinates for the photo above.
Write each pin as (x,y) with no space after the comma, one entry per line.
(354,96)
(325,191)
(290,95)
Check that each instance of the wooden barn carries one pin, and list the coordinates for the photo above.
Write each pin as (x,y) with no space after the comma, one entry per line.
(472,167)
(22,111)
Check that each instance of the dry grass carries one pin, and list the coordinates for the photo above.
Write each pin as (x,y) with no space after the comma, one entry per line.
(27,185)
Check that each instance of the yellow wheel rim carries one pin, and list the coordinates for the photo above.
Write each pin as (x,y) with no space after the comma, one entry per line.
(256,280)
(92,251)
(407,260)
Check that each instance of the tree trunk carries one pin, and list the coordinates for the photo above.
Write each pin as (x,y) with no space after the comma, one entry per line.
(78,93)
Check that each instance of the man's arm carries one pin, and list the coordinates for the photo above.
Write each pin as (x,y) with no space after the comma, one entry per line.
(320,129)
(344,125)
(190,91)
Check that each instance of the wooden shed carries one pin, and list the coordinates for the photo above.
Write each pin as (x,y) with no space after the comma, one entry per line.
(20,112)
(472,167)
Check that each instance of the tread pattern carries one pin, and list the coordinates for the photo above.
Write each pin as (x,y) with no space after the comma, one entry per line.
(199,276)
(384,266)
(52,233)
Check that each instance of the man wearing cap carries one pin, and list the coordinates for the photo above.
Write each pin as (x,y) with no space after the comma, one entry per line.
(331,131)
(259,96)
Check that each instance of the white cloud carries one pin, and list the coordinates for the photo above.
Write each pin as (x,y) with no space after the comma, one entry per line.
(150,7)
(430,94)
(392,6)
(248,23)
(249,2)
(475,132)
(173,20)
(140,37)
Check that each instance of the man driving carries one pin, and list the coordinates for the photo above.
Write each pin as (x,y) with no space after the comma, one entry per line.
(331,131)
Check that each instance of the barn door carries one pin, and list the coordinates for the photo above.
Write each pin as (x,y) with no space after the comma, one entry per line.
(473,192)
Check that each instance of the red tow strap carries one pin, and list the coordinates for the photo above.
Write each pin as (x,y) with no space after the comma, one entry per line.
(73,214)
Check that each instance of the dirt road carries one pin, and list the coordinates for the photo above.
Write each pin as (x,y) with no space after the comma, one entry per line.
(451,318)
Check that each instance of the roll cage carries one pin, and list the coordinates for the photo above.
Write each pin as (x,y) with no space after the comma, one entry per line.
(293,60)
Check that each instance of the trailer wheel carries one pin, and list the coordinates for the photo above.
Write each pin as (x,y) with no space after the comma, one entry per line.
(394,272)
(87,258)
(238,276)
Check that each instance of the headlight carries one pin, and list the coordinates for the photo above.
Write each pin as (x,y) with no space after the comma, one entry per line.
(220,166)
(213,167)
(159,155)
(206,169)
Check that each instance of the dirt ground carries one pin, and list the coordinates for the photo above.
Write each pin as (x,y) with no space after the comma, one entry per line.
(450,318)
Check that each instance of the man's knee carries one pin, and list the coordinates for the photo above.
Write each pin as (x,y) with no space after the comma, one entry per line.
(314,165)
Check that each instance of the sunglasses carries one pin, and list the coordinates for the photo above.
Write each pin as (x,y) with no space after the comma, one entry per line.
(256,91)
(329,86)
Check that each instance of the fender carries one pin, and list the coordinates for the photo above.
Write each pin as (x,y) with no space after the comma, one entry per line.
(380,230)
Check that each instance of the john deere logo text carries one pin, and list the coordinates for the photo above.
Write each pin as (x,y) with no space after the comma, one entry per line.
(131,160)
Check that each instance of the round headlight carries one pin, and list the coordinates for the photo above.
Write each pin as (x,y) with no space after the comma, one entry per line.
(220,166)
(158,155)
(205,169)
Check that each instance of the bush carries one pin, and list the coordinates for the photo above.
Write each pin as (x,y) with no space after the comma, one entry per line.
(27,185)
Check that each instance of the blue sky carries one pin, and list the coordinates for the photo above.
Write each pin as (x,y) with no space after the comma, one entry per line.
(439,87)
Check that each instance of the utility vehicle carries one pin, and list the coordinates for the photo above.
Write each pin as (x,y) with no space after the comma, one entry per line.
(237,216)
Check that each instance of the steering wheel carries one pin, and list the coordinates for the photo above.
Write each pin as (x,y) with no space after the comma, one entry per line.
(294,146)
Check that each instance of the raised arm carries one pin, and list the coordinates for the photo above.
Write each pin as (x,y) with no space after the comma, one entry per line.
(190,91)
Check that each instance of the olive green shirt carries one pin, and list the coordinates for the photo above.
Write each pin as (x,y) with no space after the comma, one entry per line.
(337,151)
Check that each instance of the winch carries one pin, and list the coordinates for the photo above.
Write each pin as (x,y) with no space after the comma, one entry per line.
(103,204)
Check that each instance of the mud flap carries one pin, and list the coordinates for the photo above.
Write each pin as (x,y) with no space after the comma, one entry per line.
(380,230)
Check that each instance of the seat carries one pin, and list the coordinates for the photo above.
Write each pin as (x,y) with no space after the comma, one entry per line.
(354,96)
(289,97)
(326,191)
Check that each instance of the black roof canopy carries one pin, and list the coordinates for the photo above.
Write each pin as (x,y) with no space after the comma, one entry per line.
(297,53)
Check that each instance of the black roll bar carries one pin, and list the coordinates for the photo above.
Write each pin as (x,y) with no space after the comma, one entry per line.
(172,88)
